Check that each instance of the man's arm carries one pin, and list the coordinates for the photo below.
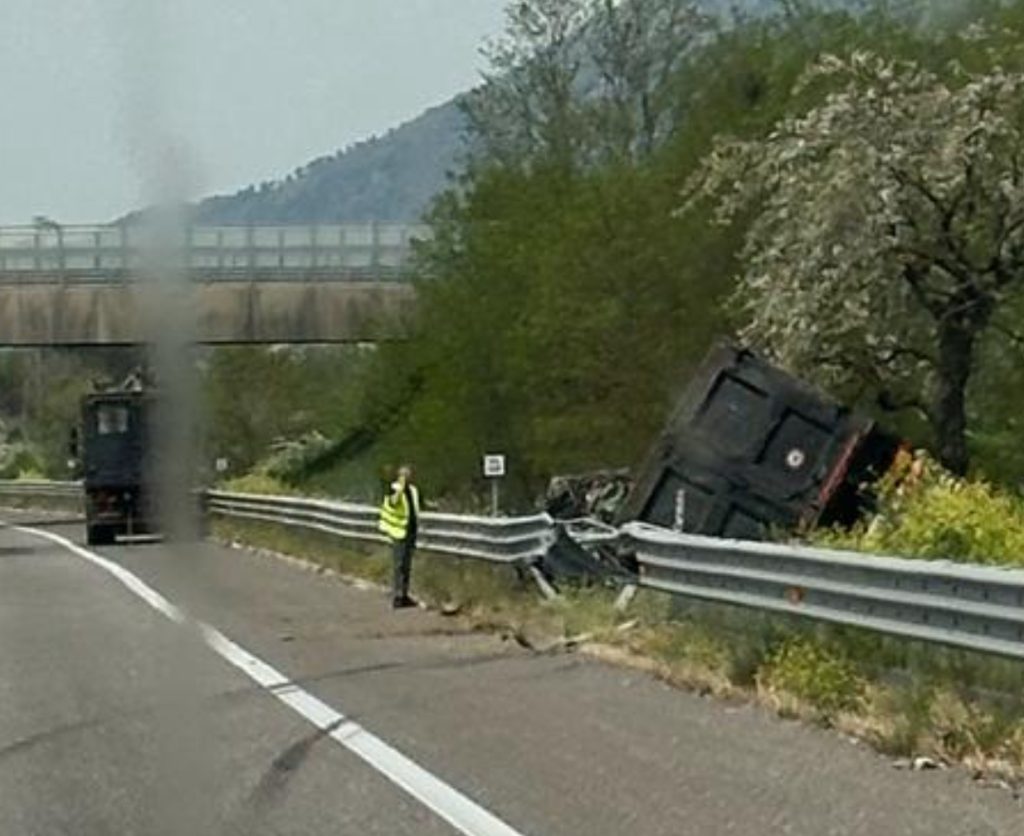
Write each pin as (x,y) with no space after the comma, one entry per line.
(397,489)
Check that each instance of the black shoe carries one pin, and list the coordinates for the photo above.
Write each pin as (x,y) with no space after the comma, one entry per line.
(403,603)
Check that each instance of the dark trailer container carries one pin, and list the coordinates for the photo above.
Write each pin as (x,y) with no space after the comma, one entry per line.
(115,433)
(750,449)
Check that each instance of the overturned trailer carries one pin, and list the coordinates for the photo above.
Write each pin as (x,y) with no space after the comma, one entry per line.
(750,449)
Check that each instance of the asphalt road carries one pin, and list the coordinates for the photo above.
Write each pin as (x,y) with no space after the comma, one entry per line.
(313,709)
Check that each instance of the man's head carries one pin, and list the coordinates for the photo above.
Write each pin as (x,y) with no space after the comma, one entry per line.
(405,472)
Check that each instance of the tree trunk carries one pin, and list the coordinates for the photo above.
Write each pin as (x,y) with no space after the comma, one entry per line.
(956,355)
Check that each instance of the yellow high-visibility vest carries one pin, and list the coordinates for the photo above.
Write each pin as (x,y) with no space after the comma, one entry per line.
(394,512)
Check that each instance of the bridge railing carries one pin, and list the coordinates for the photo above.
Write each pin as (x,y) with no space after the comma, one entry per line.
(372,250)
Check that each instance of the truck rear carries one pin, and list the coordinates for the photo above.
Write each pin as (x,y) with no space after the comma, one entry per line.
(115,450)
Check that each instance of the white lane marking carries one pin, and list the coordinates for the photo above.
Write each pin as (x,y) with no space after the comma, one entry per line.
(146,593)
(461,812)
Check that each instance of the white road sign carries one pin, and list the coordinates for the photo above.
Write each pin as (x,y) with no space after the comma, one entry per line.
(494,466)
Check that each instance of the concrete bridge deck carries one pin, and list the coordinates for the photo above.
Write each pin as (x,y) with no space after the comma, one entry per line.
(69,286)
(226,312)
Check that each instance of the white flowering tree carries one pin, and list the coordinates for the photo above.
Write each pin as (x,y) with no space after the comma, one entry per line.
(886,231)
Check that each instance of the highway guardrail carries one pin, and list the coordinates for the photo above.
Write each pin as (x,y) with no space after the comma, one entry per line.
(975,607)
(498,539)
(29,488)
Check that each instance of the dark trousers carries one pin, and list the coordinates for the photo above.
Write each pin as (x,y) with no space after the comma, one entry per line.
(401,551)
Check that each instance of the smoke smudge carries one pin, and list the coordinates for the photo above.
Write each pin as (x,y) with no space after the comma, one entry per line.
(166,169)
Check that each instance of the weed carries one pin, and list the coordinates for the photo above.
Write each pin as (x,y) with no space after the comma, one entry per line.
(815,674)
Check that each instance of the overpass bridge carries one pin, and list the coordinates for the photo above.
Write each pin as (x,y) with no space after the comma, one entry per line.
(80,285)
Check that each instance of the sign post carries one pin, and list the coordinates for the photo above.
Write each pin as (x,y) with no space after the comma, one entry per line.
(679,524)
(494,469)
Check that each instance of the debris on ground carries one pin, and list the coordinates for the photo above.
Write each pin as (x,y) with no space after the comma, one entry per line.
(919,764)
(598,495)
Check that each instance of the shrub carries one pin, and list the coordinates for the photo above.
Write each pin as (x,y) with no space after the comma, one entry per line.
(806,669)
(291,459)
(258,483)
(925,512)
(18,459)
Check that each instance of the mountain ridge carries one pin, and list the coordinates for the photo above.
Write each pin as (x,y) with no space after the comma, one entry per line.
(391,177)
(394,176)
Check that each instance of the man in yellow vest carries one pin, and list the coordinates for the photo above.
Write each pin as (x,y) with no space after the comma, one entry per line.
(399,520)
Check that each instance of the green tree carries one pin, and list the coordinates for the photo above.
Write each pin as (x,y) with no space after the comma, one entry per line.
(563,307)
(528,107)
(256,397)
(637,50)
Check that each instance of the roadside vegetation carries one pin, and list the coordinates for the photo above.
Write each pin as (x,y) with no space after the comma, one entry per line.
(39,402)
(926,512)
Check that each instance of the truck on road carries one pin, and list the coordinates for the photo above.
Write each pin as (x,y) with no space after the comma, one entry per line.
(113,444)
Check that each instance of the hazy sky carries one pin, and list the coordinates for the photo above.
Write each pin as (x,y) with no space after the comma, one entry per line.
(94,90)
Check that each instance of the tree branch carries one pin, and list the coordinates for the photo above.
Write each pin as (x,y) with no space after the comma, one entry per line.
(915,280)
(963,269)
